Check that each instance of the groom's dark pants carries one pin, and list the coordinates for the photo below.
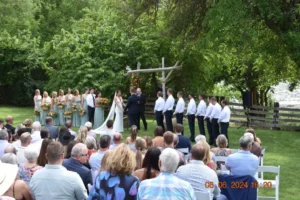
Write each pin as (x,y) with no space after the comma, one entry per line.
(132,119)
(91,112)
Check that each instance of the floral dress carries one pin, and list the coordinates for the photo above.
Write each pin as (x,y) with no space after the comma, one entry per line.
(25,173)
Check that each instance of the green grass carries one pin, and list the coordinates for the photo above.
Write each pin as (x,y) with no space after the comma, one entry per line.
(281,149)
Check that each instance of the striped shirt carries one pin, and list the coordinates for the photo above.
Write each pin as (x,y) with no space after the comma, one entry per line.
(165,187)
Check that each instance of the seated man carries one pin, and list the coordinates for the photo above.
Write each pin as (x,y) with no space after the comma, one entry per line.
(79,156)
(183,142)
(96,158)
(166,185)
(53,130)
(198,174)
(243,162)
(170,140)
(54,181)
(117,139)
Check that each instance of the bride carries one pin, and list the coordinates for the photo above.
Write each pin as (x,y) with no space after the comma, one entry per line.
(118,124)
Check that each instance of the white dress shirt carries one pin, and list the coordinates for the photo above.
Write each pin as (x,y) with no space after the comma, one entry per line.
(209,110)
(20,155)
(216,111)
(169,103)
(90,101)
(191,109)
(224,115)
(180,106)
(159,104)
(35,137)
(73,132)
(201,108)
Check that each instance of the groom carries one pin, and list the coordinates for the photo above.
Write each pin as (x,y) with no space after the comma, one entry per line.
(132,106)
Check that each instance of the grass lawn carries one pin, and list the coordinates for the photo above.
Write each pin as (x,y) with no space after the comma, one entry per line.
(281,149)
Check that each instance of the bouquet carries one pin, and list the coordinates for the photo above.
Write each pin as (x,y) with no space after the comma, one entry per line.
(81,112)
(102,102)
(74,108)
(45,106)
(68,114)
(37,112)
(61,105)
(52,114)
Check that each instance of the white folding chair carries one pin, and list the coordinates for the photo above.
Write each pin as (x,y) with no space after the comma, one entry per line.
(202,195)
(269,183)
(234,150)
(261,163)
(89,187)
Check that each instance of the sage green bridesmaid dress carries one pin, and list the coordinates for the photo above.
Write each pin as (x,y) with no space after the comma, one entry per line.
(76,116)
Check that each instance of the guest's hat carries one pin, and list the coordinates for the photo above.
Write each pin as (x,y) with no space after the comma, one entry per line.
(66,137)
(8,174)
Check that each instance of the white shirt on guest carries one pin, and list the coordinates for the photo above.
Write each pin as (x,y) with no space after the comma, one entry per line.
(73,132)
(169,103)
(224,115)
(90,101)
(191,109)
(180,106)
(159,104)
(209,110)
(201,108)
(20,155)
(216,111)
(35,137)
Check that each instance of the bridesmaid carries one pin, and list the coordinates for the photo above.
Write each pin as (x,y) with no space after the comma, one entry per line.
(37,104)
(61,111)
(76,100)
(69,97)
(46,100)
(54,108)
(84,106)
(99,112)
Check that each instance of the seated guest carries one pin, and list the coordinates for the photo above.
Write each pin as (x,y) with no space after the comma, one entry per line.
(95,159)
(104,166)
(117,140)
(15,137)
(27,169)
(170,140)
(117,182)
(150,167)
(158,141)
(42,161)
(68,124)
(140,146)
(221,149)
(10,149)
(17,143)
(243,162)
(10,186)
(110,129)
(65,136)
(256,147)
(82,134)
(183,142)
(10,158)
(69,148)
(91,133)
(79,156)
(53,130)
(198,174)
(44,134)
(54,181)
(200,137)
(252,131)
(25,142)
(149,142)
(27,123)
(208,158)
(130,141)
(9,126)
(91,145)
(3,141)
(166,185)
(36,134)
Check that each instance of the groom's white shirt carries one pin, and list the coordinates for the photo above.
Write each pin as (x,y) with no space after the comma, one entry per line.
(89,100)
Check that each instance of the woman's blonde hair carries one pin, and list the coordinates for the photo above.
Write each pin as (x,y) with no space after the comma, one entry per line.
(82,134)
(222,141)
(140,145)
(207,158)
(104,166)
(54,93)
(27,122)
(61,91)
(133,133)
(121,161)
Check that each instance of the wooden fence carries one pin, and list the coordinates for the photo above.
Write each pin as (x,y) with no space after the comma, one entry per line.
(274,117)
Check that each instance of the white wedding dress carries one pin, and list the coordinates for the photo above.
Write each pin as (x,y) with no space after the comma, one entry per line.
(118,124)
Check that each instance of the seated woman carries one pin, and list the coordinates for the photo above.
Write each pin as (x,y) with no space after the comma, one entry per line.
(150,167)
(252,131)
(130,141)
(222,143)
(158,141)
(27,123)
(82,134)
(91,145)
(117,182)
(141,150)
(208,158)
(149,142)
(27,169)
(256,148)
(42,160)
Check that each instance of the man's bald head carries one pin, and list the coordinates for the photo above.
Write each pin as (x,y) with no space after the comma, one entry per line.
(139,91)
(198,151)
(117,138)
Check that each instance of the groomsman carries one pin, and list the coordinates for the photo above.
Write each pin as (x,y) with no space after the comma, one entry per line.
(191,111)
(179,110)
(215,114)
(141,104)
(90,99)
(168,110)
(132,106)
(224,119)
(208,122)
(201,113)
(158,109)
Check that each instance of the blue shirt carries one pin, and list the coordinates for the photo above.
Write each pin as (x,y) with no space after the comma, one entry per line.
(95,160)
(183,142)
(242,163)
(75,166)
(166,186)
